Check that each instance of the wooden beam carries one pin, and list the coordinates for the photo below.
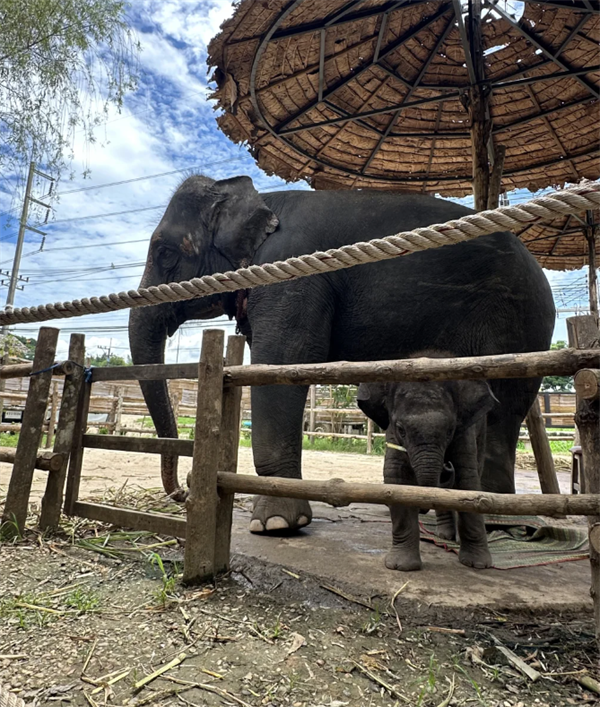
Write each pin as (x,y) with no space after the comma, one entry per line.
(52,500)
(527,365)
(19,488)
(159,523)
(76,458)
(158,445)
(338,492)
(229,446)
(44,461)
(495,183)
(24,370)
(201,503)
(541,449)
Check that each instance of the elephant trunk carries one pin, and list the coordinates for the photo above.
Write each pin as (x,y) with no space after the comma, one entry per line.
(428,465)
(148,329)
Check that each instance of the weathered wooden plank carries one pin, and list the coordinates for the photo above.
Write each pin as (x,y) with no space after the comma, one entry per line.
(150,371)
(52,418)
(76,458)
(565,362)
(229,443)
(23,370)
(541,449)
(44,461)
(162,524)
(156,445)
(53,495)
(201,504)
(337,492)
(19,488)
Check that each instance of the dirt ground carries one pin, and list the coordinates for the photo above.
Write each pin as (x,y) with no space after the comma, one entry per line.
(305,620)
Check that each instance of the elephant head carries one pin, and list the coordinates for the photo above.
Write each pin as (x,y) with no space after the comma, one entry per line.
(209,226)
(424,418)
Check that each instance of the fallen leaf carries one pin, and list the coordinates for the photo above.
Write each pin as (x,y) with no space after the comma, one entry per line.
(297,642)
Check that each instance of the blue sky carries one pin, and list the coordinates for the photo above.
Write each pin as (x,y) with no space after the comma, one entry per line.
(168,125)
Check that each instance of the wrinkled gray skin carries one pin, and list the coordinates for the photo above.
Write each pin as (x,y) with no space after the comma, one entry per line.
(486,296)
(442,427)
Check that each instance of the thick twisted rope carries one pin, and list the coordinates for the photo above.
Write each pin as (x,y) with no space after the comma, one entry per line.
(546,208)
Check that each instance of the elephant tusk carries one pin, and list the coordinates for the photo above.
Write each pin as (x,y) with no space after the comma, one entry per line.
(395,446)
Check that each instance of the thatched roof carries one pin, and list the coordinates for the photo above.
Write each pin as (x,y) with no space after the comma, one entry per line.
(351,93)
(562,244)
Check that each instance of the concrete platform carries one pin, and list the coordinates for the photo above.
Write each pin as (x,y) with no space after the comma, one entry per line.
(347,547)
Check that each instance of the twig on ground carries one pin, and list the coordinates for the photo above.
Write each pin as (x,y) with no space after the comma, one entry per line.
(393,605)
(89,656)
(247,624)
(513,658)
(442,629)
(589,683)
(112,681)
(91,701)
(375,678)
(346,596)
(209,688)
(157,673)
(446,702)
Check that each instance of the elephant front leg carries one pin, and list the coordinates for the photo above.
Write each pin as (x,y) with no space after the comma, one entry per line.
(405,554)
(474,550)
(277,413)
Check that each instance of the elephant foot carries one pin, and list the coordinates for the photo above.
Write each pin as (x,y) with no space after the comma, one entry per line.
(273,514)
(179,495)
(399,559)
(446,526)
(477,556)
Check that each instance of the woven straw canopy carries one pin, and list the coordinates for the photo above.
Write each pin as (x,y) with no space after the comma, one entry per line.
(371,93)
(563,244)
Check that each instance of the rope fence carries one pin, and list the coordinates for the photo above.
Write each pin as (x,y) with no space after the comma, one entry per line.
(539,210)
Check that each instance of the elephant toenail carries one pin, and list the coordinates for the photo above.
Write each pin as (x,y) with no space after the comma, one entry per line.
(302,521)
(256,526)
(277,523)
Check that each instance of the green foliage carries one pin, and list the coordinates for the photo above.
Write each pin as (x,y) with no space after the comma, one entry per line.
(343,395)
(63,64)
(17,346)
(8,439)
(558,384)
(106,359)
(165,594)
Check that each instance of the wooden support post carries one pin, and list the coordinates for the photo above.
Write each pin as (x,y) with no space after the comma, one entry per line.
(591,235)
(312,413)
(119,411)
(76,459)
(19,488)
(52,418)
(495,183)
(369,436)
(230,441)
(541,449)
(584,332)
(201,504)
(53,496)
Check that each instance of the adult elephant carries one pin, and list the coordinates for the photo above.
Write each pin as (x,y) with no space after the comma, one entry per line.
(486,296)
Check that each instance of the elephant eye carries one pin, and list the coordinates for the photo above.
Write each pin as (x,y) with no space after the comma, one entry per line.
(168,258)
(400,428)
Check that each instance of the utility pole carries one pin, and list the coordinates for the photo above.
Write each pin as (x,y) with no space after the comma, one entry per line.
(14,276)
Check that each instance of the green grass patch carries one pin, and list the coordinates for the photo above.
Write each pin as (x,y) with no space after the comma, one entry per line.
(9,439)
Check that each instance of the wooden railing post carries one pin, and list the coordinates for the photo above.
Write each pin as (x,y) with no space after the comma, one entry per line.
(19,488)
(312,413)
(541,449)
(201,504)
(584,333)
(53,497)
(369,436)
(230,441)
(76,459)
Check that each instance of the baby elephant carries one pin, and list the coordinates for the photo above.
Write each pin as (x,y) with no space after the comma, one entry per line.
(440,429)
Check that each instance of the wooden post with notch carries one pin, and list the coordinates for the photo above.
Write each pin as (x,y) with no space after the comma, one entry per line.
(230,441)
(19,488)
(67,419)
(201,504)
(583,331)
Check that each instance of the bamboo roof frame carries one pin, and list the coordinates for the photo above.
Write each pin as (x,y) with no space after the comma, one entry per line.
(372,93)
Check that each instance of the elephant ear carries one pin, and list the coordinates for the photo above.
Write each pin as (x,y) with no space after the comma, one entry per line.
(241,221)
(474,399)
(372,400)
